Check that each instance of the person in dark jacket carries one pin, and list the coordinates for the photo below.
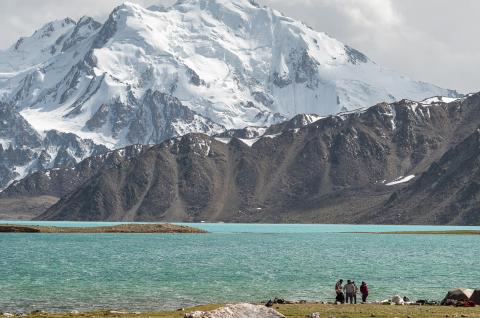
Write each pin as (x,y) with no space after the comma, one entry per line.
(340,298)
(364,291)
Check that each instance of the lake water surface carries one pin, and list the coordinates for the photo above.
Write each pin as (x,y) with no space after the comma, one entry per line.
(235,262)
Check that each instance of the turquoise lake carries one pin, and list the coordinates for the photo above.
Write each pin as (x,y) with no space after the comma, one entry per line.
(235,262)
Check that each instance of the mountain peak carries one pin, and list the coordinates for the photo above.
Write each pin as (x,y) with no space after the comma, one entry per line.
(49,30)
(128,8)
(86,20)
(239,3)
(217,8)
(51,27)
(28,52)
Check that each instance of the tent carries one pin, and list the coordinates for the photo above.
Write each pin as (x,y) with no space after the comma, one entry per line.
(458,294)
(476,297)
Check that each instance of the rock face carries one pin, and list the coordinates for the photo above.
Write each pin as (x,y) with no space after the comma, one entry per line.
(237,311)
(149,74)
(449,190)
(334,169)
(15,130)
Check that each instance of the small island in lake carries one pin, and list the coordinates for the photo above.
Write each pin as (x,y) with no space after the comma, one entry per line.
(122,228)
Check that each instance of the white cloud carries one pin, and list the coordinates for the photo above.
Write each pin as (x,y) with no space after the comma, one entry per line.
(429,40)
(371,13)
(359,12)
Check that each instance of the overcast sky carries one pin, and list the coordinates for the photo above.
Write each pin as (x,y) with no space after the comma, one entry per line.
(430,40)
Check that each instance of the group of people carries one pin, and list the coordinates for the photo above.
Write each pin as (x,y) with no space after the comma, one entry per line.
(348,293)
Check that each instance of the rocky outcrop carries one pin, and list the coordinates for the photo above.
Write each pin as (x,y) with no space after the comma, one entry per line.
(161,116)
(157,117)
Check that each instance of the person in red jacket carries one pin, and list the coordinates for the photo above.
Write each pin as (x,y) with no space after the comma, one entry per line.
(364,291)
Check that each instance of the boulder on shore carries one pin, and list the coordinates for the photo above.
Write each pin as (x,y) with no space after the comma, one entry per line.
(397,300)
(242,310)
(459,294)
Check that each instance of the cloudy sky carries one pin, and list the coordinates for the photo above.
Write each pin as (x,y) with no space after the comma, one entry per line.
(430,40)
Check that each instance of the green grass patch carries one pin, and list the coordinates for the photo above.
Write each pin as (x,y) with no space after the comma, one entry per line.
(303,311)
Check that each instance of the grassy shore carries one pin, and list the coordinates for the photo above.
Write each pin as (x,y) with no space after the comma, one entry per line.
(122,228)
(303,311)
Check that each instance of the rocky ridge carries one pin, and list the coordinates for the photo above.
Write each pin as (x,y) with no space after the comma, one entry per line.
(335,169)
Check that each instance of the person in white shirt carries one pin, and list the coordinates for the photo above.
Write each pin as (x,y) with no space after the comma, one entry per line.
(349,289)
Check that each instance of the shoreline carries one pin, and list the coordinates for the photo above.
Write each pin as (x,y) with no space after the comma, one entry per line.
(446,232)
(297,310)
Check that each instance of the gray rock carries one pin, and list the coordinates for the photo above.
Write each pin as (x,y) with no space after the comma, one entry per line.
(237,311)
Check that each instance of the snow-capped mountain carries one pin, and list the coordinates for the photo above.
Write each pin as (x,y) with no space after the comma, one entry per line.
(148,74)
(23,150)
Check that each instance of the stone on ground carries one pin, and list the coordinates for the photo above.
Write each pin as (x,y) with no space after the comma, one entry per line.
(238,311)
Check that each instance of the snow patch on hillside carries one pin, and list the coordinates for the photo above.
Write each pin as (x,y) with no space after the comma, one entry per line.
(439,99)
(400,180)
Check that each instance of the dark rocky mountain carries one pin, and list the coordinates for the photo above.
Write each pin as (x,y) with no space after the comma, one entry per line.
(336,169)
(253,132)
(57,182)
(448,192)
(30,196)
(42,188)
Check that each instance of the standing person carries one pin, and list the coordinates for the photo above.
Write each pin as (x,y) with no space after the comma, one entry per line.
(339,291)
(364,292)
(349,289)
(355,291)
